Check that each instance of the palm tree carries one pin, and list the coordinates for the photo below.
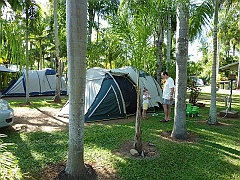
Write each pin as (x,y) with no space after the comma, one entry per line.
(159,46)
(138,132)
(57,97)
(76,51)
(30,9)
(200,17)
(171,24)
(212,119)
(27,56)
(179,127)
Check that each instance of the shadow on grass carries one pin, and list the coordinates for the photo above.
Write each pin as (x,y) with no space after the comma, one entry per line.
(200,160)
(35,150)
(23,152)
(213,156)
(176,160)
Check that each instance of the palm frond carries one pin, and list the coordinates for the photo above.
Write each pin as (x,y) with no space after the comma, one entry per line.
(200,16)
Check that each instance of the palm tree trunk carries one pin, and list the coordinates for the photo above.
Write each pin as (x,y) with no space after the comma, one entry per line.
(27,60)
(40,55)
(169,39)
(179,127)
(57,97)
(91,15)
(212,119)
(76,52)
(160,38)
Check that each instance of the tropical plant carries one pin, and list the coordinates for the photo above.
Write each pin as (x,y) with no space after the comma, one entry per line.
(229,32)
(103,9)
(213,111)
(201,16)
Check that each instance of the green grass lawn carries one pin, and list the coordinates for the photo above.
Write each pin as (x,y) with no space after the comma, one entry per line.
(36,102)
(215,154)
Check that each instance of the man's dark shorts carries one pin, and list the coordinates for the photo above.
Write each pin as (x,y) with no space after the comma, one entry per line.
(167,101)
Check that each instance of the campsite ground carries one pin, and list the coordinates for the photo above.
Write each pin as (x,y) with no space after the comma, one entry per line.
(32,118)
(45,119)
(42,117)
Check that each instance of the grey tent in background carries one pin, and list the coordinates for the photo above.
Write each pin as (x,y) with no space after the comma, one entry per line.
(41,82)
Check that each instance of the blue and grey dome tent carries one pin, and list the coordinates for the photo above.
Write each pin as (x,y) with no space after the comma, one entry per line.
(111,94)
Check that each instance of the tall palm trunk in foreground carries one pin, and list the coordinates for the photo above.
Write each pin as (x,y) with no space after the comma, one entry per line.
(179,127)
(76,53)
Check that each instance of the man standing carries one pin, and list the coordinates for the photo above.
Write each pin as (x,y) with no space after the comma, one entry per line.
(167,96)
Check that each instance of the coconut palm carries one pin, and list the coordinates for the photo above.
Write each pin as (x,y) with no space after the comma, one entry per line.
(179,127)
(76,51)
(201,15)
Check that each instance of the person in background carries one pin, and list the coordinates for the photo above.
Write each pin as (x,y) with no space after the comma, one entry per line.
(146,97)
(168,92)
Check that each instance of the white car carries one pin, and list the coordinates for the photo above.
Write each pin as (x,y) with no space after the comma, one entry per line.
(6,114)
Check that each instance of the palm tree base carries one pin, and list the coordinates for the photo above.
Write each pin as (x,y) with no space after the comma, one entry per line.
(227,113)
(89,174)
(179,136)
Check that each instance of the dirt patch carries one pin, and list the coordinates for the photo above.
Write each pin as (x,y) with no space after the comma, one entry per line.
(37,119)
(56,172)
(217,124)
(149,150)
(191,137)
(46,120)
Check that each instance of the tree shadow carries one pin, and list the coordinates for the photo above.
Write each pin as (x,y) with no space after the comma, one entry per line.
(198,159)
(22,151)
(206,159)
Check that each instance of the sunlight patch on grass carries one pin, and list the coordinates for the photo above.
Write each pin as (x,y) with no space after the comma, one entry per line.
(37,102)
